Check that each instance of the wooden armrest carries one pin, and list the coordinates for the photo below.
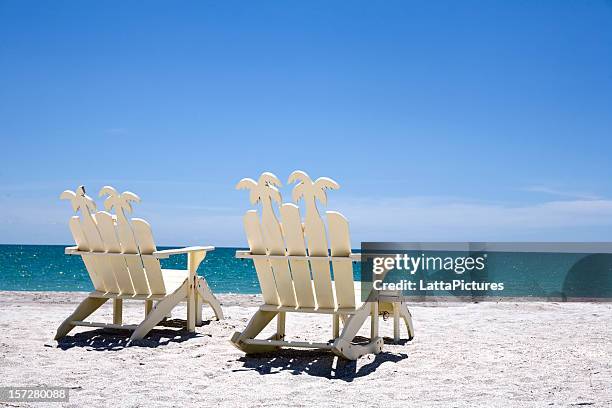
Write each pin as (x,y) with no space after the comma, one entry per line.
(71,250)
(249,255)
(166,253)
(76,251)
(243,254)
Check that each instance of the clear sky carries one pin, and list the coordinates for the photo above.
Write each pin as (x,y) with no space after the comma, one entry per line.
(441,120)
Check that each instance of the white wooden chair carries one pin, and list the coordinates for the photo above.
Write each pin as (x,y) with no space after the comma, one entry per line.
(123,264)
(292,260)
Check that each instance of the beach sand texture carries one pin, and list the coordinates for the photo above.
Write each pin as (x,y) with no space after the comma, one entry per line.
(463,355)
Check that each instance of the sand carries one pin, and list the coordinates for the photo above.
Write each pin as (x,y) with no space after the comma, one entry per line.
(463,355)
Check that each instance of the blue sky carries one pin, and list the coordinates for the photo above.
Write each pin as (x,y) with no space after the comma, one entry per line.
(472,120)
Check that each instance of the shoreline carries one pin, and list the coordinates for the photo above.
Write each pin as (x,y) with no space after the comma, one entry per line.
(255,299)
(487,354)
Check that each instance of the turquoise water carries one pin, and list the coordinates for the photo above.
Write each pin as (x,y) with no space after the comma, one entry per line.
(45,267)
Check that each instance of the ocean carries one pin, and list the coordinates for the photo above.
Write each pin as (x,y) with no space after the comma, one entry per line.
(47,268)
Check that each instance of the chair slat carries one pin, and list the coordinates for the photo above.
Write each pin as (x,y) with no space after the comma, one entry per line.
(129,246)
(300,270)
(340,244)
(273,239)
(90,261)
(94,241)
(106,225)
(263,268)
(144,237)
(314,230)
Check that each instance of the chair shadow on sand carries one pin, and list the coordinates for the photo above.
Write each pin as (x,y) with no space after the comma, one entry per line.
(114,340)
(318,363)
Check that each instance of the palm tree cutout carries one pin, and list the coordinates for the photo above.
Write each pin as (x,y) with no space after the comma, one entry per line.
(79,201)
(121,203)
(310,191)
(86,205)
(265,190)
(83,203)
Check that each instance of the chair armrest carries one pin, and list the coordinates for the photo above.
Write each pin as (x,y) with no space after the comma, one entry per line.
(243,254)
(73,250)
(355,257)
(166,253)
(248,255)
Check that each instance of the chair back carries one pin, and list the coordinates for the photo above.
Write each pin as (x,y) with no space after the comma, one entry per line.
(299,255)
(119,256)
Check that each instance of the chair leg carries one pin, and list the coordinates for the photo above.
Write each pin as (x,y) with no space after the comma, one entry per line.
(374,321)
(84,309)
(191,309)
(396,322)
(336,326)
(258,322)
(343,346)
(117,311)
(208,297)
(354,322)
(162,308)
(405,314)
(198,316)
(168,316)
(280,326)
(148,307)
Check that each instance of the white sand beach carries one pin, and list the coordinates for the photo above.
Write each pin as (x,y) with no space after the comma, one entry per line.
(463,355)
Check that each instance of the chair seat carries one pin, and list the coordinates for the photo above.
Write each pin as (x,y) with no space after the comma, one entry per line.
(385,297)
(173,279)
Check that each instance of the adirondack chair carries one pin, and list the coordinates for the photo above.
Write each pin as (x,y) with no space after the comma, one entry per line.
(123,263)
(292,261)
